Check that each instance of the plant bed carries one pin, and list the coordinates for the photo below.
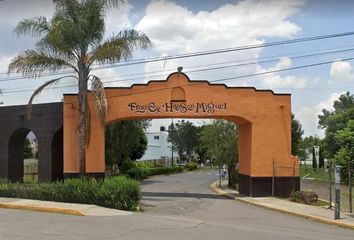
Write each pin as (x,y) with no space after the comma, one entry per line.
(140,173)
(113,192)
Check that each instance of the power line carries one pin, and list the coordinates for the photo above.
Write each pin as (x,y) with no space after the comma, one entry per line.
(210,69)
(225,50)
(217,80)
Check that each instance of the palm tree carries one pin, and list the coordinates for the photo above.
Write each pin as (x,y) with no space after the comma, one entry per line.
(73,39)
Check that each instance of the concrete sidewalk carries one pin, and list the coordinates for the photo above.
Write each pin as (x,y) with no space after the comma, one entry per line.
(320,214)
(60,207)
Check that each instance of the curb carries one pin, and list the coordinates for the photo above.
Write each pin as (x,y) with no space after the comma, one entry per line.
(66,211)
(219,191)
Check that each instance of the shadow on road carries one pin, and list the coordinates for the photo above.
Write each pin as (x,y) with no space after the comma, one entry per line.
(183,195)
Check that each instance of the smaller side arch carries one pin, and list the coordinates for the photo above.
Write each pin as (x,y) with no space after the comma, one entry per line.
(15,154)
(57,156)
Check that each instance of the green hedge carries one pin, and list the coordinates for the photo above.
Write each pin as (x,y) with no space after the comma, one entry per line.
(113,192)
(190,166)
(141,173)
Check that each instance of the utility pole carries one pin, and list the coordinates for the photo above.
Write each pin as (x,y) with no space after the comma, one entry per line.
(330,183)
(172,144)
(337,192)
(350,186)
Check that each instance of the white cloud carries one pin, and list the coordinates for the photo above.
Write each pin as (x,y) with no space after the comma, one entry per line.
(275,80)
(341,72)
(175,29)
(308,115)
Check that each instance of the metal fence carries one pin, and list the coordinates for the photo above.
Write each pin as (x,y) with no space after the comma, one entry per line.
(319,180)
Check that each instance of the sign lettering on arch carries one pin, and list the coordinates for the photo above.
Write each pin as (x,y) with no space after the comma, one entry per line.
(173,107)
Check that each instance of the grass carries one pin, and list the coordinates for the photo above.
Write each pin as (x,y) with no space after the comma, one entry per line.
(309,172)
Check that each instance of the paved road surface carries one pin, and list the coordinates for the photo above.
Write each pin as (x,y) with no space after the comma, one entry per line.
(176,207)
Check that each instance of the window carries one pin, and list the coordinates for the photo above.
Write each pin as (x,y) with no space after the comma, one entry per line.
(156,137)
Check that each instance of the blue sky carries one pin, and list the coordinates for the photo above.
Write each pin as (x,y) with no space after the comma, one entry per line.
(188,26)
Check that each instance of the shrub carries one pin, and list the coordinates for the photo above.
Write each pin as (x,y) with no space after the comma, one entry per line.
(137,173)
(141,173)
(145,165)
(113,192)
(119,193)
(190,166)
(126,165)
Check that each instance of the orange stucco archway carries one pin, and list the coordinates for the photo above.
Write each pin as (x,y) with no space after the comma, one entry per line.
(264,121)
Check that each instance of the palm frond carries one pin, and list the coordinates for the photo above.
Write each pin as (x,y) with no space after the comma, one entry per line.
(34,26)
(120,46)
(39,90)
(33,63)
(97,89)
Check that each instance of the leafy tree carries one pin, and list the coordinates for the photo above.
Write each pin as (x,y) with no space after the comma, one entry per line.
(183,136)
(345,155)
(27,151)
(308,143)
(125,140)
(139,147)
(333,121)
(321,157)
(296,136)
(220,140)
(73,40)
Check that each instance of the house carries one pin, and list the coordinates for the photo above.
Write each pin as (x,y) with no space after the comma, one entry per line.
(158,148)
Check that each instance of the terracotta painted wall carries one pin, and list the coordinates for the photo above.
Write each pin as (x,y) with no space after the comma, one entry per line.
(264,119)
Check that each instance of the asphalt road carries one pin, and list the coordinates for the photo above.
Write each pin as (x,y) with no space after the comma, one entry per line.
(175,207)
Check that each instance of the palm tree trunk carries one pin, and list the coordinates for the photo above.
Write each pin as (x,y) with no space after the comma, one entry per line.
(83,111)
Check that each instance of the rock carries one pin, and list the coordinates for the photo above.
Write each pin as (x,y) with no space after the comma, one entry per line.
(306,197)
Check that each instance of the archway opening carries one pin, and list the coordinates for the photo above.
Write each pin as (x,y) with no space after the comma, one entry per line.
(163,150)
(23,156)
(57,156)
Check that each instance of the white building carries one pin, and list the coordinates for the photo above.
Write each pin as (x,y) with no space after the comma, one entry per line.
(158,147)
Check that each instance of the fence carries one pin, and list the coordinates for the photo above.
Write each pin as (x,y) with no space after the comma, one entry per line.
(30,173)
(319,180)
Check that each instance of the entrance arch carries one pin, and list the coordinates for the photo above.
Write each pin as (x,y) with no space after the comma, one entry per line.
(263,117)
(16,154)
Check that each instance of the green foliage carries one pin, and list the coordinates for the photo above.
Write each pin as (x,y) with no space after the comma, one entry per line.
(183,136)
(113,192)
(336,120)
(125,139)
(296,136)
(139,173)
(27,151)
(119,193)
(127,164)
(339,125)
(220,140)
(145,165)
(74,39)
(190,166)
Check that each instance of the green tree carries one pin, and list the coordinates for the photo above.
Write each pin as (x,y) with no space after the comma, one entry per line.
(220,140)
(308,143)
(296,136)
(183,136)
(125,140)
(345,155)
(333,121)
(73,39)
(27,151)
